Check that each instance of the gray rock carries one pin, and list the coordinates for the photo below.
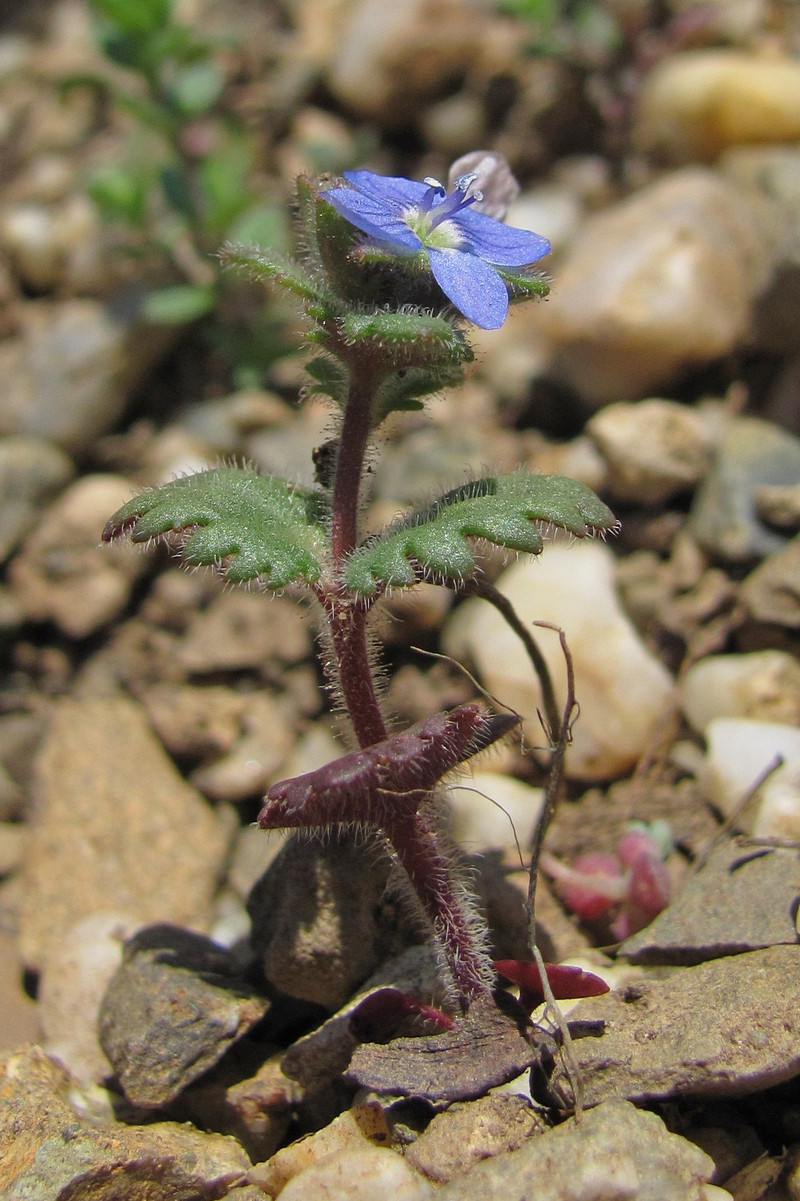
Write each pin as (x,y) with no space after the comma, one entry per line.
(470,1131)
(173,1008)
(32,471)
(616,1152)
(724,517)
(114,826)
(729,1027)
(49,1150)
(316,918)
(742,898)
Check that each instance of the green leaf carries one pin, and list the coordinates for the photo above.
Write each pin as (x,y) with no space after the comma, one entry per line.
(407,337)
(179,304)
(135,16)
(197,87)
(509,510)
(251,526)
(121,193)
(399,391)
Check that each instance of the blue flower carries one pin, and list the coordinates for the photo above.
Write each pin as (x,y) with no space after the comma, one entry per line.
(464,247)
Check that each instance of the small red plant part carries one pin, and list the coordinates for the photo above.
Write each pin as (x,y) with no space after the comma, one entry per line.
(567,982)
(631,887)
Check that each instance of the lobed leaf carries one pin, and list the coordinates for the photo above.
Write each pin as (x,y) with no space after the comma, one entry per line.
(508,510)
(254,526)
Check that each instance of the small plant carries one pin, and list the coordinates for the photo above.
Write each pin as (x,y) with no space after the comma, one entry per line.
(184,184)
(389,270)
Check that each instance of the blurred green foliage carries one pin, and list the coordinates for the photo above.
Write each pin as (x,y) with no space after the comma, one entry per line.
(184,184)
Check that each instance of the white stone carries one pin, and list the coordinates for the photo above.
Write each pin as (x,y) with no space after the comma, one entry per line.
(488,808)
(764,685)
(622,689)
(739,751)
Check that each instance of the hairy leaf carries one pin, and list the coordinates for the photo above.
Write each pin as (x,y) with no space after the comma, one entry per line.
(254,526)
(273,268)
(508,510)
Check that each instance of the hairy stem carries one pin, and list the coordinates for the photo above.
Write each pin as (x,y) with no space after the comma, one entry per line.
(428,869)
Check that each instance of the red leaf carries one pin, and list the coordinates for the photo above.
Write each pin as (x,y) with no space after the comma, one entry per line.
(566,982)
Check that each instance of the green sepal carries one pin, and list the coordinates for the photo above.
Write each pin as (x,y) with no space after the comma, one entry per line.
(275,269)
(524,285)
(508,510)
(251,526)
(407,337)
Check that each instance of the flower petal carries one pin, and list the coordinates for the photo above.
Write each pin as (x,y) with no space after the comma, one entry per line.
(387,189)
(497,243)
(473,286)
(372,217)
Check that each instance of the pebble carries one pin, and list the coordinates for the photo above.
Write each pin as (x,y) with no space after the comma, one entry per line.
(660,282)
(55,246)
(771,593)
(624,692)
(360,1175)
(389,61)
(255,759)
(653,449)
(172,1009)
(32,472)
(63,377)
(470,1131)
(659,1043)
(50,1149)
(764,685)
(493,810)
(315,918)
(615,1151)
(71,987)
(114,825)
(242,631)
(724,517)
(739,751)
(695,104)
(64,574)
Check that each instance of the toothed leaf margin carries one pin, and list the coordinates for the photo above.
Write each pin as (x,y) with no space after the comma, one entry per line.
(509,511)
(249,525)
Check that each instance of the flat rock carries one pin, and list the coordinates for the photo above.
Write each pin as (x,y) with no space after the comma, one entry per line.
(114,826)
(763,685)
(171,1011)
(470,1131)
(50,1151)
(623,691)
(615,1151)
(742,898)
(729,1027)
